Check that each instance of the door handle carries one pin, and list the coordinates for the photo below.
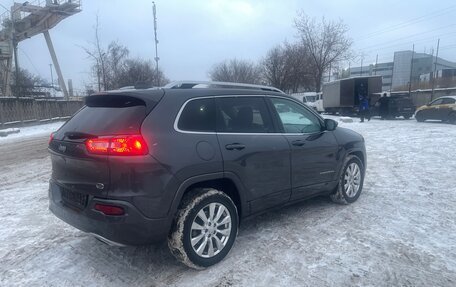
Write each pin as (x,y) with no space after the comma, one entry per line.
(298,143)
(235,146)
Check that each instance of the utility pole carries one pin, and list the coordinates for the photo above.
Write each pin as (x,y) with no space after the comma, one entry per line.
(375,68)
(435,69)
(52,77)
(362,58)
(156,44)
(411,71)
(329,76)
(392,77)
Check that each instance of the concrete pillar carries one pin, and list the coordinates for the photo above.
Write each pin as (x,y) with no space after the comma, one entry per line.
(62,85)
(70,88)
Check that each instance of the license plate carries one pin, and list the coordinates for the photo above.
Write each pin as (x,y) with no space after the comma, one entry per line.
(74,199)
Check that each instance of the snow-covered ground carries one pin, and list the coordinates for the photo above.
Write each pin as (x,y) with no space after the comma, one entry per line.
(32,131)
(401,231)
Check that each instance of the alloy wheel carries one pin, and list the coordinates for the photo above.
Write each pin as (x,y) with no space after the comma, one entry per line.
(210,230)
(352,180)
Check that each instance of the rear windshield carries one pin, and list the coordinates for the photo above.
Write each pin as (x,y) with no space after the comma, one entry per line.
(113,117)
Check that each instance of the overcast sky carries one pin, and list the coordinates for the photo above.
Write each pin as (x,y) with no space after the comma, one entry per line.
(196,34)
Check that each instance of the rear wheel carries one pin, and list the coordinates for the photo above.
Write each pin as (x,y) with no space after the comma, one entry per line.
(350,181)
(452,118)
(205,228)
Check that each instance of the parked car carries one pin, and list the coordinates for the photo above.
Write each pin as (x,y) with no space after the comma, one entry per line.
(390,107)
(443,108)
(307,98)
(189,164)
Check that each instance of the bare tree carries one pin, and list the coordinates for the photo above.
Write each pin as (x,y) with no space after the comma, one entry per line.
(288,67)
(97,53)
(238,71)
(114,60)
(28,84)
(113,68)
(301,69)
(138,72)
(326,42)
(274,68)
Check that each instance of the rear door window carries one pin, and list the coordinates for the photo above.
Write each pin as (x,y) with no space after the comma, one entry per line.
(243,115)
(198,116)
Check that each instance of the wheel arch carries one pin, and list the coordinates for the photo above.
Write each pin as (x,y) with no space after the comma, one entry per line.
(221,181)
(359,154)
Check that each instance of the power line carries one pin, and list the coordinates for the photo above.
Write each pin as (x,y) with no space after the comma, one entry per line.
(414,35)
(409,22)
(407,43)
(30,60)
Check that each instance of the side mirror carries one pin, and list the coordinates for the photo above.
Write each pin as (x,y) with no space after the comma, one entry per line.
(330,124)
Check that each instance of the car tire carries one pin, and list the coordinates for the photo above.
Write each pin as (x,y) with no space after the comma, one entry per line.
(419,117)
(205,228)
(452,118)
(351,181)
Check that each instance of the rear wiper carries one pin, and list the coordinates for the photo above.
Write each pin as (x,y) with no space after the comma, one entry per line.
(78,135)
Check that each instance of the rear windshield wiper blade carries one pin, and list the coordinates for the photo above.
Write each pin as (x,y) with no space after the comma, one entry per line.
(79,135)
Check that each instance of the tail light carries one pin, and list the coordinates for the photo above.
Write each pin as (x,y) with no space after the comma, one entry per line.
(51,137)
(117,145)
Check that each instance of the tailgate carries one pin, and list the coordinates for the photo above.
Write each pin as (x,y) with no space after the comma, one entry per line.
(77,171)
(73,169)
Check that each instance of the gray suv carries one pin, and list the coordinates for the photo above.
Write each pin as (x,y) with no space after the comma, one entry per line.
(190,161)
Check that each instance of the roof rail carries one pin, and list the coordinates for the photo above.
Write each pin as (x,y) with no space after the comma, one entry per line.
(194,84)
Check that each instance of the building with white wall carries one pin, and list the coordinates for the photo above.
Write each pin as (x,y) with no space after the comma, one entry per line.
(398,73)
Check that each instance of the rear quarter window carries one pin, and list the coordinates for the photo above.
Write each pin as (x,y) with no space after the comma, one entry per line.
(198,116)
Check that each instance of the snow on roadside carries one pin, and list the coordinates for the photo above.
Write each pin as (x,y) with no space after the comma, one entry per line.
(32,131)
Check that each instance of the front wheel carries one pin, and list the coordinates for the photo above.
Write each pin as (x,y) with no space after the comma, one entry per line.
(350,181)
(205,229)
(419,117)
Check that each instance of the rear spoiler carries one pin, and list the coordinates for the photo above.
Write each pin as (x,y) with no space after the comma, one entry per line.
(126,98)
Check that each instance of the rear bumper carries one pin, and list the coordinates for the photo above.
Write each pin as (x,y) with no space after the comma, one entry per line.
(132,228)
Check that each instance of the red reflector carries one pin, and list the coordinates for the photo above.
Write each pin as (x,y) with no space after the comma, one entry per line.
(118,145)
(109,209)
(51,138)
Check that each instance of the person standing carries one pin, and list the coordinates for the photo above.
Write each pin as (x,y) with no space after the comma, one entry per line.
(363,103)
(383,106)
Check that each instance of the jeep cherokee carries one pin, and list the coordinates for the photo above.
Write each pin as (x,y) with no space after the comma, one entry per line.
(189,161)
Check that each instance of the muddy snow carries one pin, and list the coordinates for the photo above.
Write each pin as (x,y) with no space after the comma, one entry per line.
(401,231)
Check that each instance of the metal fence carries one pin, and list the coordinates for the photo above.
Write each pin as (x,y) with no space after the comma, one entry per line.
(422,97)
(18,111)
